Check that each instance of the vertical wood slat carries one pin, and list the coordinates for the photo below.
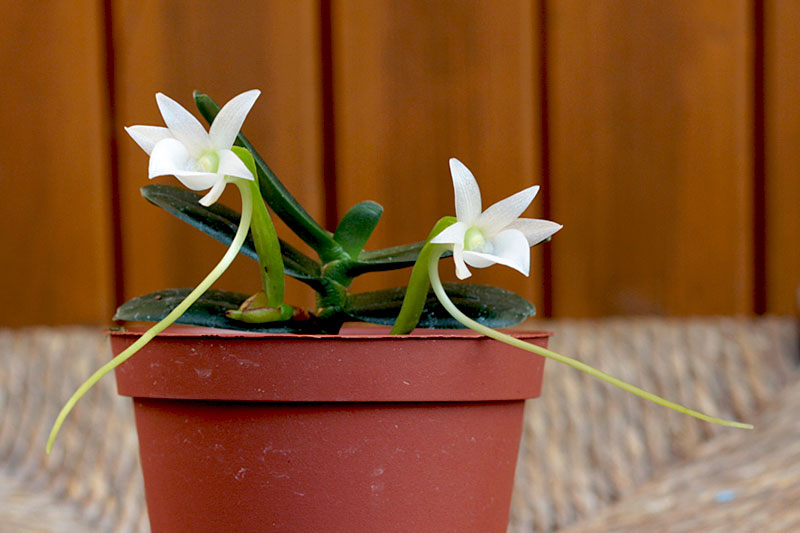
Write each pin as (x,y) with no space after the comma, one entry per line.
(782,173)
(178,47)
(417,82)
(649,112)
(651,165)
(55,220)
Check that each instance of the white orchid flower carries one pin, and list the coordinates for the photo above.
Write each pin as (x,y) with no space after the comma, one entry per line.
(497,235)
(200,160)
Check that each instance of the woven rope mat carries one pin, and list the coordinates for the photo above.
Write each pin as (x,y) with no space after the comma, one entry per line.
(731,484)
(585,446)
(91,482)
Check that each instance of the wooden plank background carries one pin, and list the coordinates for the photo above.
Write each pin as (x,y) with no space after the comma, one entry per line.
(665,136)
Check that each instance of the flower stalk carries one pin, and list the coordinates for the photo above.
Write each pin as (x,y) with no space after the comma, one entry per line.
(433,273)
(141,342)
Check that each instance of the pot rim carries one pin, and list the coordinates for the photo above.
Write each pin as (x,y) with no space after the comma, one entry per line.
(362,365)
(349,332)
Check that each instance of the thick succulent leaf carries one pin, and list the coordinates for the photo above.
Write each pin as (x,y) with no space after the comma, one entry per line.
(392,258)
(208,311)
(357,225)
(275,193)
(491,306)
(220,222)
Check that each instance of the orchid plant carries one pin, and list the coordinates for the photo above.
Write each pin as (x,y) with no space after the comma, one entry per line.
(209,160)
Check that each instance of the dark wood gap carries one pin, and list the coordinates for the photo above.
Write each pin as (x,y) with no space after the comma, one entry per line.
(759,165)
(328,116)
(118,277)
(540,30)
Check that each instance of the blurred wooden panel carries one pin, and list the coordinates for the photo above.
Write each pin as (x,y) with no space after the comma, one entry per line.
(418,82)
(650,124)
(54,167)
(782,140)
(174,48)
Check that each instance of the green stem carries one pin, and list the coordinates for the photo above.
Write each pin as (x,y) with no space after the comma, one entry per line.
(433,271)
(268,247)
(418,284)
(230,254)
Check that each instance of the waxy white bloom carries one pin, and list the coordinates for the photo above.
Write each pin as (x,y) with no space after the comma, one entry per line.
(199,159)
(497,235)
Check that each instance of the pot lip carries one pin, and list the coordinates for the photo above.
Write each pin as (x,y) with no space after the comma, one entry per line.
(349,333)
(364,365)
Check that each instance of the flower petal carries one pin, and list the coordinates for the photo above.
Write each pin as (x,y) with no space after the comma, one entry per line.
(462,272)
(510,249)
(148,136)
(198,181)
(479,259)
(231,165)
(535,230)
(498,216)
(183,126)
(467,192)
(214,194)
(230,118)
(169,156)
(453,234)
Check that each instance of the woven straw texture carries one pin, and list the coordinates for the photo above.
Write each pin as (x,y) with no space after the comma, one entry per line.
(592,458)
(587,445)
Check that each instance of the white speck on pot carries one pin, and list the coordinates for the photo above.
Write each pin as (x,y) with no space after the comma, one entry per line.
(240,474)
(351,450)
(242,362)
(203,372)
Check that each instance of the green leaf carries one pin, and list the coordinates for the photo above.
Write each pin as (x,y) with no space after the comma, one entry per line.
(275,193)
(357,225)
(395,254)
(393,258)
(208,311)
(491,306)
(220,222)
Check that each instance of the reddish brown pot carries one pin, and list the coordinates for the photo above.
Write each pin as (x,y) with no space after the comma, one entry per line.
(352,432)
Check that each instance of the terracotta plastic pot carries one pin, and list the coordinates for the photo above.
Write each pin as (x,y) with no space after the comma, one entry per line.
(355,432)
